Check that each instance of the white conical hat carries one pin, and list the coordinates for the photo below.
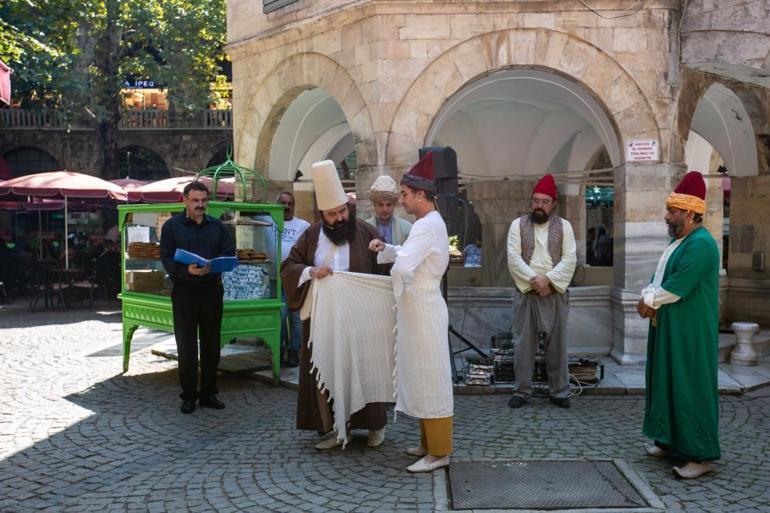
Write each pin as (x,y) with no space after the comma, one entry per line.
(329,193)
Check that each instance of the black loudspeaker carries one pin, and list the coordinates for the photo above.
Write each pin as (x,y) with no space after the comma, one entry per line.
(445,167)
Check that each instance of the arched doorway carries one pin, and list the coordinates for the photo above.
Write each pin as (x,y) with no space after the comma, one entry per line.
(141,163)
(25,161)
(510,127)
(312,128)
(721,144)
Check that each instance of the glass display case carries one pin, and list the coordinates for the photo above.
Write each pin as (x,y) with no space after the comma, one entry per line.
(252,298)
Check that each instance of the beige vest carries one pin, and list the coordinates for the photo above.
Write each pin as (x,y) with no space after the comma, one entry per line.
(555,238)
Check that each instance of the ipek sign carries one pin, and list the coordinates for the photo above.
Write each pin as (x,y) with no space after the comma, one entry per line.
(642,150)
(140,84)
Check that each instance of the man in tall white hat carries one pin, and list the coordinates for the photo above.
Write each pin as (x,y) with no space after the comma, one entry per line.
(384,194)
(338,242)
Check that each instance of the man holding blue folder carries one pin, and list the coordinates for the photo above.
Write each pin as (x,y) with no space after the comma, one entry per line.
(196,296)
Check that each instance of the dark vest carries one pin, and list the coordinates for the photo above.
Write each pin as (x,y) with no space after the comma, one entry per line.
(555,238)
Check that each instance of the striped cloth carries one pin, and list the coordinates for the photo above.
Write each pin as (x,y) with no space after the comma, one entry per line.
(352,325)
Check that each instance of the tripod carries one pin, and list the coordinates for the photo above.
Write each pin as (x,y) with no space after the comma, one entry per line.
(470,346)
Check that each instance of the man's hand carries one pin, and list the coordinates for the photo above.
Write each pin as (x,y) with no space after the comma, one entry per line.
(546,291)
(541,283)
(198,271)
(376,245)
(321,272)
(645,311)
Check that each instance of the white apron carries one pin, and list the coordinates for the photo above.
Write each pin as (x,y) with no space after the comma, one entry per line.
(423,371)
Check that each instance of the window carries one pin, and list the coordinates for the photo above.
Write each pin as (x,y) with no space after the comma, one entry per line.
(272,5)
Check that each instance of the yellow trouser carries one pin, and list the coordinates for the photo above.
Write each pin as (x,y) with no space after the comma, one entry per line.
(436,436)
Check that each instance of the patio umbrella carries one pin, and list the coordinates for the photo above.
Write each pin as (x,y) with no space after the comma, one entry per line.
(170,189)
(129,184)
(61,185)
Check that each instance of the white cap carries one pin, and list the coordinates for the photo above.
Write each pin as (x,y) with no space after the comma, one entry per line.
(329,193)
(384,187)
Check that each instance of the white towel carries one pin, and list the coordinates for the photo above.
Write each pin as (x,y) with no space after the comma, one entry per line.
(352,333)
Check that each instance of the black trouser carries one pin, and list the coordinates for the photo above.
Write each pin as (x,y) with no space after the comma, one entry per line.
(197,309)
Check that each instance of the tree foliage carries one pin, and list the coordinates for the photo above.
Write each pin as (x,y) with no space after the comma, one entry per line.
(75,55)
(83,50)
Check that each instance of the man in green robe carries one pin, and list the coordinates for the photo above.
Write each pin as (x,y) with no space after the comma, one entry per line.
(682,397)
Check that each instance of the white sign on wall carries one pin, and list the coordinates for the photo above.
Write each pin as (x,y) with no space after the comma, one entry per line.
(642,150)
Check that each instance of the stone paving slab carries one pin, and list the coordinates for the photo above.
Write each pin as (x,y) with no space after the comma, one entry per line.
(76,435)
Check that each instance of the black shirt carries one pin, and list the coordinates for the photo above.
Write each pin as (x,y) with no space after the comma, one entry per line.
(210,239)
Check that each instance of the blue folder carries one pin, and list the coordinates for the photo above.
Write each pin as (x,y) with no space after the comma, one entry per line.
(223,264)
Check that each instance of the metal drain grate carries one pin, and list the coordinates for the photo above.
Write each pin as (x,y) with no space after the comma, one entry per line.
(545,485)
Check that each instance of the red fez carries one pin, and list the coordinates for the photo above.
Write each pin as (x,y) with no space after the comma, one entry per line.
(546,185)
(690,194)
(422,176)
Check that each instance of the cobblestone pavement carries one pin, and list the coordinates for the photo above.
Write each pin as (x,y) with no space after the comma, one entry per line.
(77,436)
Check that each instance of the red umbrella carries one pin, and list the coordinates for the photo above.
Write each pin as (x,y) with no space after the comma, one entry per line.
(5,84)
(129,184)
(170,189)
(62,184)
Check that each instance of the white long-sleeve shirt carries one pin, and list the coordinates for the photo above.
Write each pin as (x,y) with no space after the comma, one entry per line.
(425,252)
(654,295)
(541,262)
(340,261)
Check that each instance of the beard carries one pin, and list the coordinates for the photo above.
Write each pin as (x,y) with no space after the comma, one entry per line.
(674,229)
(341,232)
(538,216)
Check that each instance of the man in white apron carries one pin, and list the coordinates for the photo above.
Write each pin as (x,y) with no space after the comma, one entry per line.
(423,371)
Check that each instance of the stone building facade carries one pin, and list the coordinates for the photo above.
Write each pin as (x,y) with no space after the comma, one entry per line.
(520,88)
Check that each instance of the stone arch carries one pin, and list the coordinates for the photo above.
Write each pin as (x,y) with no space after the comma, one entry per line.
(212,156)
(39,145)
(748,99)
(544,49)
(144,154)
(283,84)
(49,160)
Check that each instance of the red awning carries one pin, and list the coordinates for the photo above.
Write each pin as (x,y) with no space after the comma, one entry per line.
(5,84)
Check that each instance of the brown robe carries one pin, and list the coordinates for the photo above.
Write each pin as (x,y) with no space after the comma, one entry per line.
(313,410)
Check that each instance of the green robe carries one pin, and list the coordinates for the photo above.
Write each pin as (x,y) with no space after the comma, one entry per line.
(682,395)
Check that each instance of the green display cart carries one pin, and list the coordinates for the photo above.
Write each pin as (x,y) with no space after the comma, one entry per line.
(252,301)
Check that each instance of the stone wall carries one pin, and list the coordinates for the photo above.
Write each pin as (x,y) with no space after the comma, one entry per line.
(726,35)
(749,290)
(76,149)
(391,65)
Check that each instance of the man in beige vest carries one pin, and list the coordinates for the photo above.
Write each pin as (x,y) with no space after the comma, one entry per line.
(541,259)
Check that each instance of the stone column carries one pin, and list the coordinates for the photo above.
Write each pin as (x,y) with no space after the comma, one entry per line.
(640,238)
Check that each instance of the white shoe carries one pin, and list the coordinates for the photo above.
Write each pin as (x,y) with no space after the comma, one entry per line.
(424,465)
(655,451)
(376,437)
(418,451)
(330,442)
(692,470)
